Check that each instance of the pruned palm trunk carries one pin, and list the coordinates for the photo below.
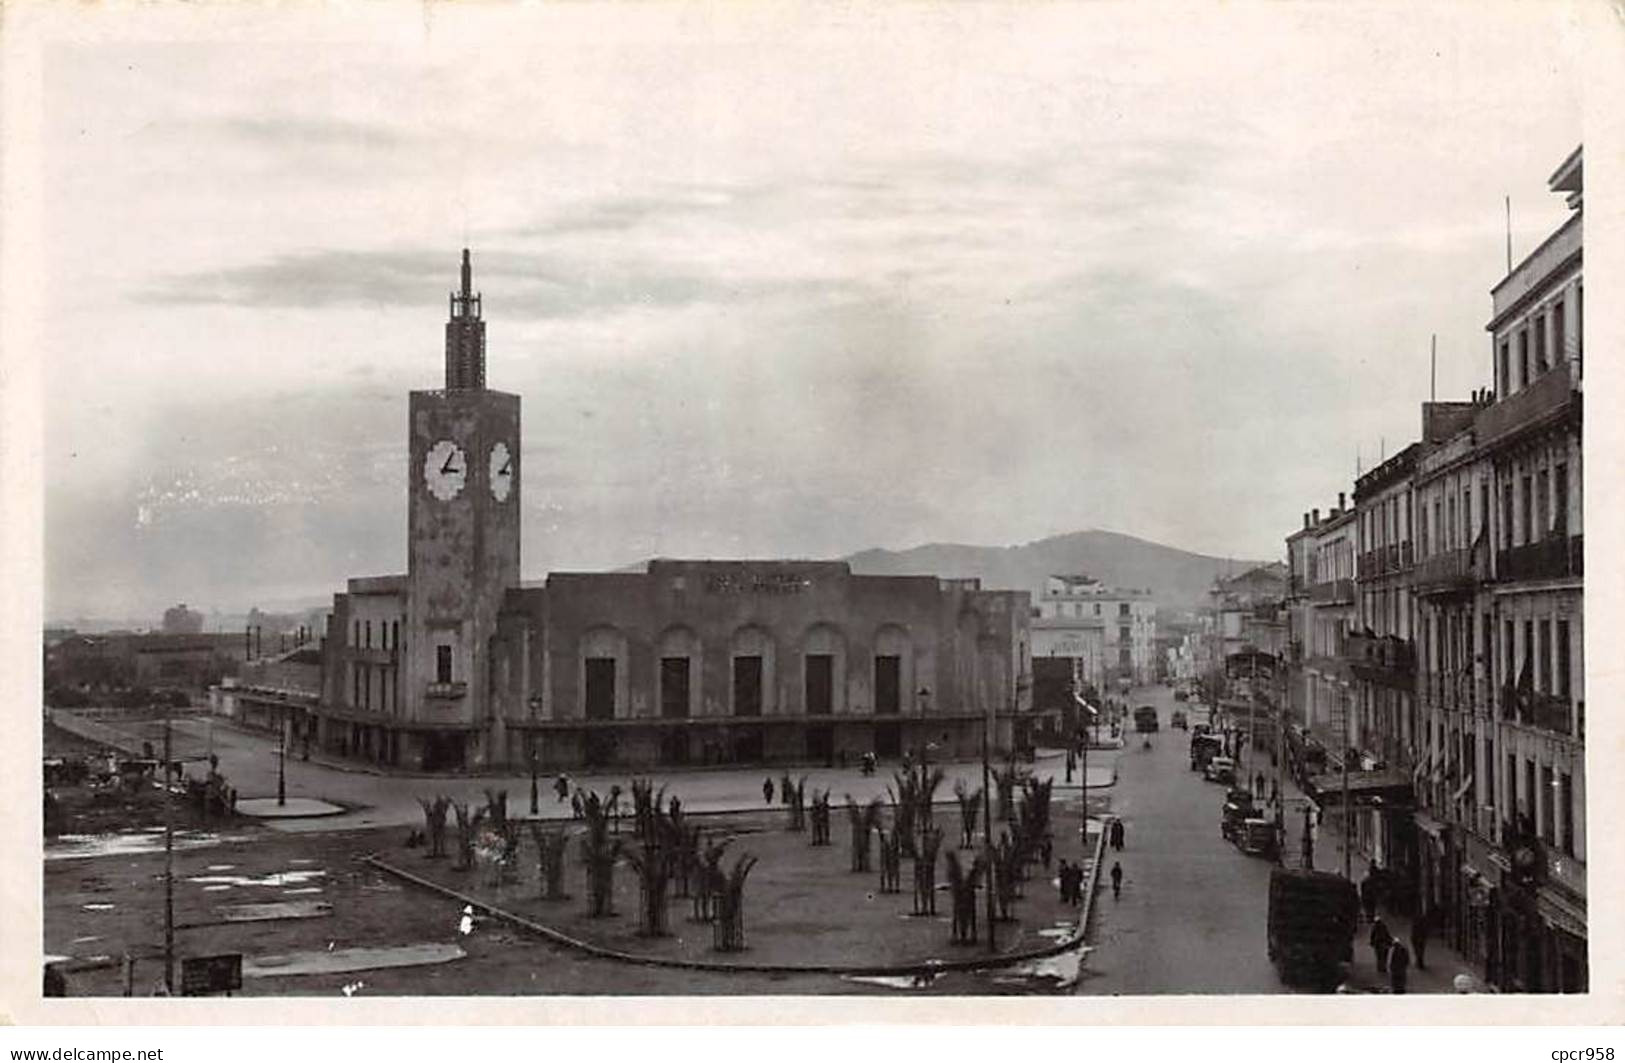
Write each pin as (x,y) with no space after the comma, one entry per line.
(599,852)
(925,873)
(551,846)
(729,930)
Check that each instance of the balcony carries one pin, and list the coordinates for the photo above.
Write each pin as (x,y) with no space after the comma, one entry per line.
(1450,691)
(1385,560)
(1332,592)
(1384,659)
(1544,711)
(1548,393)
(1555,557)
(1449,572)
(445,691)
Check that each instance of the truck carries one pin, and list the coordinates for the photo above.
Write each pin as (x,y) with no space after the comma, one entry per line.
(1145,719)
(1204,747)
(1312,920)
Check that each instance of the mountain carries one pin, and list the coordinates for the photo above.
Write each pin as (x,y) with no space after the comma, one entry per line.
(1176,578)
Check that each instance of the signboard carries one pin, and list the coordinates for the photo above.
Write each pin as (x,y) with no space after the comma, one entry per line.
(203,975)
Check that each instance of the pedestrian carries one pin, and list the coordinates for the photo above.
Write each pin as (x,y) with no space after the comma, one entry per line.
(561,786)
(575,805)
(1064,878)
(1117,880)
(1258,786)
(1368,895)
(1381,942)
(1275,791)
(767,789)
(1046,851)
(1421,930)
(1399,962)
(1117,835)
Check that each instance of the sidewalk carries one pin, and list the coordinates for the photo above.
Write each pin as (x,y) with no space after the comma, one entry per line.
(1443,963)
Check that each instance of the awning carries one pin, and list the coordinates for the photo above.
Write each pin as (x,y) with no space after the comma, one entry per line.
(1560,913)
(1430,826)
(1465,786)
(1365,787)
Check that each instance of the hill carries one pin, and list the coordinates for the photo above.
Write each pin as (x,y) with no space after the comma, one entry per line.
(1177,578)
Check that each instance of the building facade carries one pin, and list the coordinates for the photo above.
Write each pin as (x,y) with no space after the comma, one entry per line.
(1110,632)
(457,665)
(1468,662)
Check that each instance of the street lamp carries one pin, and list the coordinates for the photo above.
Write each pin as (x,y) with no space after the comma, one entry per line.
(535,806)
(282,758)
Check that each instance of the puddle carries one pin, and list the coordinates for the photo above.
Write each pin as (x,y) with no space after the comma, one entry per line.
(131,843)
(221,867)
(338,961)
(86,940)
(1061,971)
(255,913)
(892,981)
(97,907)
(301,861)
(215,889)
(275,878)
(303,889)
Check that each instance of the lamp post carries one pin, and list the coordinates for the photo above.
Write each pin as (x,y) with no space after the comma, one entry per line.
(535,805)
(282,758)
(169,866)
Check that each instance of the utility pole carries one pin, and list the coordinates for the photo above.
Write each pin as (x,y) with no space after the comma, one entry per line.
(1348,826)
(282,759)
(169,866)
(987,829)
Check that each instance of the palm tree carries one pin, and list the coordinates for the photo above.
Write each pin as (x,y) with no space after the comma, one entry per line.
(962,885)
(970,806)
(599,852)
(925,873)
(730,925)
(468,827)
(434,821)
(550,849)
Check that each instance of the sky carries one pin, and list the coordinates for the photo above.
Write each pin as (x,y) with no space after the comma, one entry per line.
(770,280)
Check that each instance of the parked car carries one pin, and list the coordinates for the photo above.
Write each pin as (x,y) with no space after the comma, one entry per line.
(1258,837)
(1204,747)
(1234,815)
(1220,769)
(1178,720)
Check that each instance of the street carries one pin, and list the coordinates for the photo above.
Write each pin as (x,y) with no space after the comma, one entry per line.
(1191,918)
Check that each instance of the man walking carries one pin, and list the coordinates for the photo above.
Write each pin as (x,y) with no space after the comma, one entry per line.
(1421,930)
(1064,876)
(1399,962)
(1117,835)
(1382,941)
(767,789)
(1368,895)
(1117,880)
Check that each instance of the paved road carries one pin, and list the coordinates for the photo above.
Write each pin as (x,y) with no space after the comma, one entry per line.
(249,760)
(1191,918)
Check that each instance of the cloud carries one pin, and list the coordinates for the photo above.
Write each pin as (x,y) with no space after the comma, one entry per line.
(531,285)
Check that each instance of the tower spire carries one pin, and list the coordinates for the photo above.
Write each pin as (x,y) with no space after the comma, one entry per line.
(465,336)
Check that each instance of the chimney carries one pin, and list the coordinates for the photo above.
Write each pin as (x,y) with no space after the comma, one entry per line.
(1340,501)
(1306,520)
(1315,513)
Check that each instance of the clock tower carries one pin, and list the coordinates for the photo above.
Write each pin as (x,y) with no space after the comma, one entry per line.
(462,540)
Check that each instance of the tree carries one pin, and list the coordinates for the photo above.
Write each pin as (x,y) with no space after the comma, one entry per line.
(434,822)
(891,860)
(599,852)
(863,819)
(729,929)
(925,873)
(468,828)
(551,845)
(820,817)
(708,888)
(970,807)
(655,862)
(962,885)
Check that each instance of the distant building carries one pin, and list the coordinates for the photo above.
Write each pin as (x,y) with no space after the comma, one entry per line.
(1109,632)
(179,620)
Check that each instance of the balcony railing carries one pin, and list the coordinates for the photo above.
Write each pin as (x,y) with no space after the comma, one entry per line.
(1555,557)
(1545,711)
(1453,691)
(1381,656)
(1332,592)
(1383,560)
(1545,394)
(455,689)
(1451,570)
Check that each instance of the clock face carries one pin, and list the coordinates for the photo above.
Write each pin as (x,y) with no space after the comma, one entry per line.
(501,472)
(445,470)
